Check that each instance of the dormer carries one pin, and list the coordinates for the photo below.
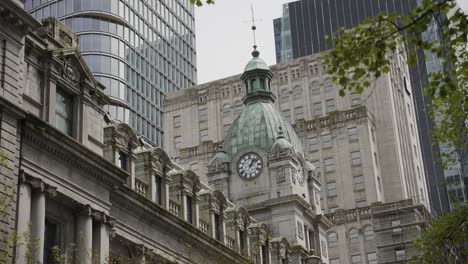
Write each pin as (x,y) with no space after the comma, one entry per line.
(120,143)
(184,188)
(260,241)
(213,207)
(237,226)
(152,175)
(281,250)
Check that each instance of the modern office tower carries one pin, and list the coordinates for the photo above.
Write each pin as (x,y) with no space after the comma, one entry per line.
(140,50)
(365,147)
(303,27)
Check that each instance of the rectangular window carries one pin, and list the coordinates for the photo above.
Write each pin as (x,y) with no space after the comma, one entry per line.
(158,190)
(217,227)
(52,238)
(356,158)
(299,112)
(326,141)
(372,258)
(189,209)
(331,106)
(356,259)
(335,261)
(331,189)
(329,164)
(177,121)
(353,134)
(64,112)
(396,227)
(203,135)
(400,254)
(202,114)
(317,109)
(177,142)
(359,183)
(123,160)
(313,144)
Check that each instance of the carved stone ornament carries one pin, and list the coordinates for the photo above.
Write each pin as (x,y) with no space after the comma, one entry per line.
(300,230)
(70,72)
(324,248)
(280,177)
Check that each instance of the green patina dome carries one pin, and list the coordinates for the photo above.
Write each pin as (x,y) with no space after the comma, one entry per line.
(256,64)
(259,125)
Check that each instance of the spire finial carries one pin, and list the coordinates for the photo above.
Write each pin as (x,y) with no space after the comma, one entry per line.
(255,52)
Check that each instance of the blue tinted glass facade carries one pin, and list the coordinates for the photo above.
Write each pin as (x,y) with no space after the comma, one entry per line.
(139,49)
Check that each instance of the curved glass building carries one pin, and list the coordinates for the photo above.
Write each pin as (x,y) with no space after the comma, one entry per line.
(139,49)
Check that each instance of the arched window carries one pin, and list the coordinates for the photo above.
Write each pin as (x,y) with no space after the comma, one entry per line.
(353,234)
(369,233)
(332,239)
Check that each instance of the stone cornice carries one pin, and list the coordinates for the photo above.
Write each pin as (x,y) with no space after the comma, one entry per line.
(151,213)
(49,139)
(335,119)
(341,217)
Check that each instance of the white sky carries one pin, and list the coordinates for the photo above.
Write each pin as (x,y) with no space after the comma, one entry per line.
(224,38)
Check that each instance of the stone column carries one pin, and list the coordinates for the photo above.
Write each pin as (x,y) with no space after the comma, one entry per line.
(212,224)
(196,213)
(223,226)
(142,250)
(24,218)
(247,242)
(84,236)
(101,236)
(165,192)
(38,207)
(183,198)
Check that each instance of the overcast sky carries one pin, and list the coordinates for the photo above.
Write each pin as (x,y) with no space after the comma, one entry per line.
(224,37)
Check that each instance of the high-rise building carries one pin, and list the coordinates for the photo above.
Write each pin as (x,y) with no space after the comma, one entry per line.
(139,49)
(365,148)
(302,30)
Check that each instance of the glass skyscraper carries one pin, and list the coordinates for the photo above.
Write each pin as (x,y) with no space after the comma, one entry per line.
(301,31)
(139,49)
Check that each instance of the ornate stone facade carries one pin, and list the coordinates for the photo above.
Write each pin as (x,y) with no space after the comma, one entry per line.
(87,189)
(365,147)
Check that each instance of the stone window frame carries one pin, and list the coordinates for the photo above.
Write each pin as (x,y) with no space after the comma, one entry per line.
(369,233)
(353,234)
(329,164)
(332,239)
(372,258)
(177,121)
(331,189)
(353,134)
(356,259)
(359,185)
(356,158)
(327,141)
(330,105)
(204,136)
(177,143)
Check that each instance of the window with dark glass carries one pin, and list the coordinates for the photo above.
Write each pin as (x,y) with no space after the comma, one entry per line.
(158,190)
(64,112)
(51,236)
(217,226)
(189,209)
(123,160)
(241,240)
(265,253)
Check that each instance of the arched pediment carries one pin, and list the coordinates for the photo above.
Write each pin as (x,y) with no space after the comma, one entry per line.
(242,217)
(162,156)
(219,197)
(191,181)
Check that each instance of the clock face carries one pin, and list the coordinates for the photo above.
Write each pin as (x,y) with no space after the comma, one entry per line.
(249,166)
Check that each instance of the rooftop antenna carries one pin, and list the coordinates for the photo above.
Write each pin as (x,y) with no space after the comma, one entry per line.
(255,52)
